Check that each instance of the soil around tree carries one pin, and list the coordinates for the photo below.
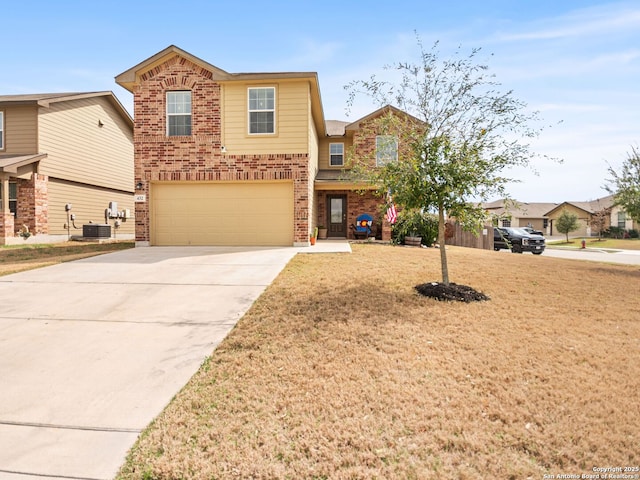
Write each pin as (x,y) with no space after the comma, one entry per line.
(451,292)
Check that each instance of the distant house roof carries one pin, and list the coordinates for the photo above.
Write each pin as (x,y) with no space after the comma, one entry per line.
(543,209)
(46,99)
(590,207)
(519,209)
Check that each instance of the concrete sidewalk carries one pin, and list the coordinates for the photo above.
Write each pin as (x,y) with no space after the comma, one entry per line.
(623,257)
(91,351)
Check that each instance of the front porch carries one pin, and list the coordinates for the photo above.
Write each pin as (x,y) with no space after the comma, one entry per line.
(23,197)
(337,211)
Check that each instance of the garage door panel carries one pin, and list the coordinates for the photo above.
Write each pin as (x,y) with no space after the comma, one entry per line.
(222,214)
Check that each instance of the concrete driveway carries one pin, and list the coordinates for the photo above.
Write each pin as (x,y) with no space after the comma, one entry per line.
(92,351)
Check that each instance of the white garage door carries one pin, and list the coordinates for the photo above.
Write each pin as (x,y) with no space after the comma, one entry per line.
(251,213)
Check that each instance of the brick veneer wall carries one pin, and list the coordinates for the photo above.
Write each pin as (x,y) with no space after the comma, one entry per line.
(364,150)
(198,157)
(33,204)
(357,203)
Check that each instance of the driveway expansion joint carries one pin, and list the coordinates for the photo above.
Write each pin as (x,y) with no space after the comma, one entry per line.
(71,427)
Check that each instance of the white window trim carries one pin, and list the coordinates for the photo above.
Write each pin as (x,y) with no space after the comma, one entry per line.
(178,114)
(249,111)
(378,162)
(2,145)
(330,154)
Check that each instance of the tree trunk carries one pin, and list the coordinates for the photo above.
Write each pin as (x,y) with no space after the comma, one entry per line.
(441,242)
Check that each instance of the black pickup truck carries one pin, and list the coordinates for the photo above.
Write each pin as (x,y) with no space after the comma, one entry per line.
(517,240)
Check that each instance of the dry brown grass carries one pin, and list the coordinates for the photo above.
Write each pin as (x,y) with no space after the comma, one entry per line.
(342,371)
(17,258)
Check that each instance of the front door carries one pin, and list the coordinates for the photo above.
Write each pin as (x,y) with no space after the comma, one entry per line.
(337,208)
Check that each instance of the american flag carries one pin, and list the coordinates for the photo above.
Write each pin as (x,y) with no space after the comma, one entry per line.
(392,214)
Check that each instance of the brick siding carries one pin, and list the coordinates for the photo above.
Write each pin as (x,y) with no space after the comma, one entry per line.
(32,207)
(198,157)
(357,203)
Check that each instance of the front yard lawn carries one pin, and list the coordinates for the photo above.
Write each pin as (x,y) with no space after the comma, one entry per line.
(342,371)
(17,258)
(605,243)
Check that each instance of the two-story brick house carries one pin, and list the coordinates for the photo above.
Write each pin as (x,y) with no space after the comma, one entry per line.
(236,158)
(61,149)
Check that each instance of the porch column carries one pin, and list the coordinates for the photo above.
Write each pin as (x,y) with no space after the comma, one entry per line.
(7,227)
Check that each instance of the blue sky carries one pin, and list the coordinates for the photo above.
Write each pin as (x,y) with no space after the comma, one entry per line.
(575,61)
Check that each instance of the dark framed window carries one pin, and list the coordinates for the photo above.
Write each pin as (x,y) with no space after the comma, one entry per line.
(178,113)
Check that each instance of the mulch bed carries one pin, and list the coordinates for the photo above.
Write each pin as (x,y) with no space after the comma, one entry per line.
(451,292)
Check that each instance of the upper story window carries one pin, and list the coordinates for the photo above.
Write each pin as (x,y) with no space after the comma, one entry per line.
(1,130)
(336,154)
(178,113)
(386,149)
(262,110)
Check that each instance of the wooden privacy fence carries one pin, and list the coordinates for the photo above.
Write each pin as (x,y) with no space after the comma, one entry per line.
(483,237)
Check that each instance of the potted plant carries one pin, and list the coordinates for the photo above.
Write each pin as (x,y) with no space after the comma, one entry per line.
(313,236)
(322,232)
(414,228)
(24,232)
(413,240)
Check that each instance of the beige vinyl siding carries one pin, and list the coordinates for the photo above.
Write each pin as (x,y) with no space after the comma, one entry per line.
(537,223)
(88,204)
(323,151)
(292,119)
(583,220)
(20,130)
(80,150)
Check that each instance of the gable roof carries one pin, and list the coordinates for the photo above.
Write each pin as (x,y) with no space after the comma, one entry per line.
(46,99)
(129,78)
(519,209)
(377,113)
(590,207)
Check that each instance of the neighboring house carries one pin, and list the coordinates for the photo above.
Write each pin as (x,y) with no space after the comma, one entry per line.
(620,219)
(238,158)
(542,216)
(585,211)
(63,149)
(520,214)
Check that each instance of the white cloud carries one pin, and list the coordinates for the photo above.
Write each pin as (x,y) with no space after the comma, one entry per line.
(582,23)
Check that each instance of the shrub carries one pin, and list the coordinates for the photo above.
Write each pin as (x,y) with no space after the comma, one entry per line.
(414,223)
(614,232)
(633,233)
